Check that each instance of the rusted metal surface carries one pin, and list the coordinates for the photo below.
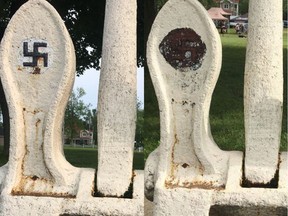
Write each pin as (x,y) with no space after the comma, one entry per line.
(183,48)
(193,184)
(36,70)
(66,214)
(27,187)
(184,165)
(127,195)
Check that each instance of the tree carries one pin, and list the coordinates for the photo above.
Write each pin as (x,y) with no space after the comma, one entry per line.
(208,3)
(84,21)
(243,6)
(285,9)
(77,114)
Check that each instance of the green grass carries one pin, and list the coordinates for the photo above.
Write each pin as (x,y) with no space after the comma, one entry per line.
(85,157)
(88,157)
(227,110)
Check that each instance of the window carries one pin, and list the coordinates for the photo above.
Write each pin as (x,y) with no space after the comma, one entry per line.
(226,6)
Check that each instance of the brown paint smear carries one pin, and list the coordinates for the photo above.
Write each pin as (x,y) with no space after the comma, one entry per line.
(183,48)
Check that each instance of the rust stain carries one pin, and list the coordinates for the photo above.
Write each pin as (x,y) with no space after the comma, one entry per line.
(183,48)
(20,68)
(36,70)
(39,194)
(196,184)
(37,122)
(176,140)
(127,194)
(33,112)
(22,190)
(185,165)
(67,214)
(184,103)
(34,178)
(273,183)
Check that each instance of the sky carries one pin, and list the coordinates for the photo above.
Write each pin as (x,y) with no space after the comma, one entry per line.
(89,81)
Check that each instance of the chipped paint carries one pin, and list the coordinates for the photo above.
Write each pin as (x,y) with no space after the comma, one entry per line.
(36,70)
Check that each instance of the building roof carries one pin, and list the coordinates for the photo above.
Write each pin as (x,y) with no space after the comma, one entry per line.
(220,11)
(215,16)
(218,14)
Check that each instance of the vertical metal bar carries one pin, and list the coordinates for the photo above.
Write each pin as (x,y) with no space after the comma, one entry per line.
(263,90)
(117,99)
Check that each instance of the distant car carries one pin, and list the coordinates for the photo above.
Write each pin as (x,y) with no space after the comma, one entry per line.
(285,23)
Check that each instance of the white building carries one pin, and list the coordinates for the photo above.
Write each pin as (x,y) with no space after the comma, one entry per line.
(231,6)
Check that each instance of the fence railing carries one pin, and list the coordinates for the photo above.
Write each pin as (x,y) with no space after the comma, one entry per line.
(37,72)
(188,174)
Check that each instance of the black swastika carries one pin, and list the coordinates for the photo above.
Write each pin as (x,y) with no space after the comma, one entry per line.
(35,54)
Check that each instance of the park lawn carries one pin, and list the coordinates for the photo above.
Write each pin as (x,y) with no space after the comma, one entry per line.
(88,157)
(227,108)
(226,111)
(85,157)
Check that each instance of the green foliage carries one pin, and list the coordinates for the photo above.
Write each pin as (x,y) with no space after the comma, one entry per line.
(206,3)
(76,115)
(4,13)
(85,23)
(226,112)
(151,119)
(209,3)
(285,9)
(160,3)
(243,6)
